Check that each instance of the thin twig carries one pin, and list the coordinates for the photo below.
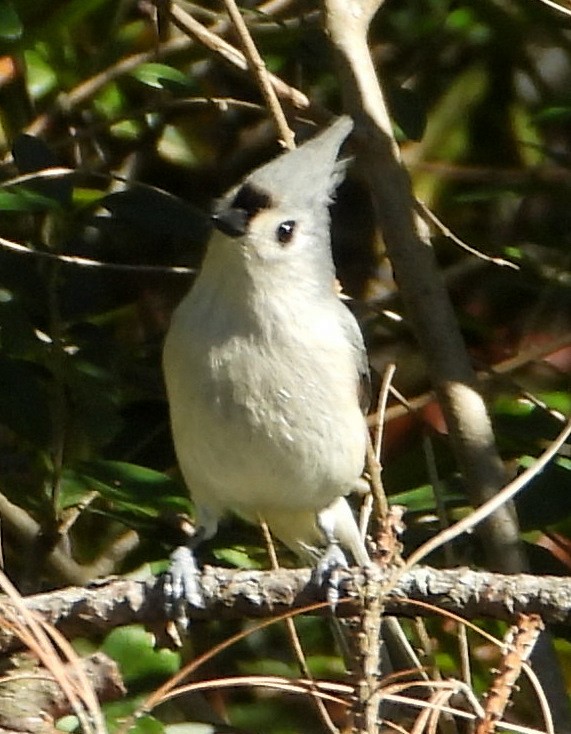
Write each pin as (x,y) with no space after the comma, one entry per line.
(522,359)
(433,219)
(295,641)
(374,468)
(541,697)
(380,503)
(164,690)
(464,652)
(258,68)
(420,283)
(206,37)
(384,393)
(288,685)
(77,96)
(34,630)
(485,510)
(62,172)
(519,641)
(86,262)
(557,6)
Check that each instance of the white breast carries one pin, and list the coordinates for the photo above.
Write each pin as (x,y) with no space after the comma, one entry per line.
(263,418)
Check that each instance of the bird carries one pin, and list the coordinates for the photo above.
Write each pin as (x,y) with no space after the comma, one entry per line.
(267,373)
(265,367)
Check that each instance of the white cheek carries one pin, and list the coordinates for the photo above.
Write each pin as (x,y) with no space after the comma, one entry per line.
(265,247)
(296,247)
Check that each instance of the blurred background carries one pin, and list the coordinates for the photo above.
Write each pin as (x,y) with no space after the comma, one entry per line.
(146,128)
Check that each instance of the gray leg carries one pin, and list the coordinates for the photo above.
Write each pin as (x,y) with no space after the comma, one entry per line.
(332,559)
(181,582)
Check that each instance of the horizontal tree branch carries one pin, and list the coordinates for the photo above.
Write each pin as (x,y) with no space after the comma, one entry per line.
(233,594)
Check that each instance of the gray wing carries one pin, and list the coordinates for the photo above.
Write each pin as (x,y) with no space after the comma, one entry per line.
(351,328)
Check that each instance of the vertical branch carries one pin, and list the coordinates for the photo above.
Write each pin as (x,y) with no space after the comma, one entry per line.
(367,644)
(420,282)
(428,304)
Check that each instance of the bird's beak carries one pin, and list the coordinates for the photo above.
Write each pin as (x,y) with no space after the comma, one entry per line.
(233,222)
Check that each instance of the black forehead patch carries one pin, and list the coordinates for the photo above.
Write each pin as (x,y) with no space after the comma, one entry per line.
(251,200)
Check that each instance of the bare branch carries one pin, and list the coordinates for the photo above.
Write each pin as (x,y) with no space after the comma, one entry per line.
(25,530)
(234,594)
(207,38)
(258,67)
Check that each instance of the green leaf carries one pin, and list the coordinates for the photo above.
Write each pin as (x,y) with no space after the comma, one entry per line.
(117,712)
(133,648)
(127,129)
(40,76)
(238,557)
(87,197)
(161,76)
(68,724)
(421,499)
(71,13)
(461,19)
(147,725)
(110,101)
(25,200)
(173,146)
(129,488)
(10,24)
(558,400)
(514,406)
(554,113)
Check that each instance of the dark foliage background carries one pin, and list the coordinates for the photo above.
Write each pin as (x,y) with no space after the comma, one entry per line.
(154,127)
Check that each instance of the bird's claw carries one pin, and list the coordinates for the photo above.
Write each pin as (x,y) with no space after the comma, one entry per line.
(182,586)
(327,572)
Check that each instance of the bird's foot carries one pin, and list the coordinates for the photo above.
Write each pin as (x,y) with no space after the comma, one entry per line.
(327,571)
(182,586)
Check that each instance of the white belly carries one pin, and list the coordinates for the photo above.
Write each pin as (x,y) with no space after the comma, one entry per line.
(264,424)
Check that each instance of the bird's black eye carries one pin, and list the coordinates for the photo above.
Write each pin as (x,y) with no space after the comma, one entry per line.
(285,231)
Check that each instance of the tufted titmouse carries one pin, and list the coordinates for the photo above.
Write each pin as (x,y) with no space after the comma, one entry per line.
(265,367)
